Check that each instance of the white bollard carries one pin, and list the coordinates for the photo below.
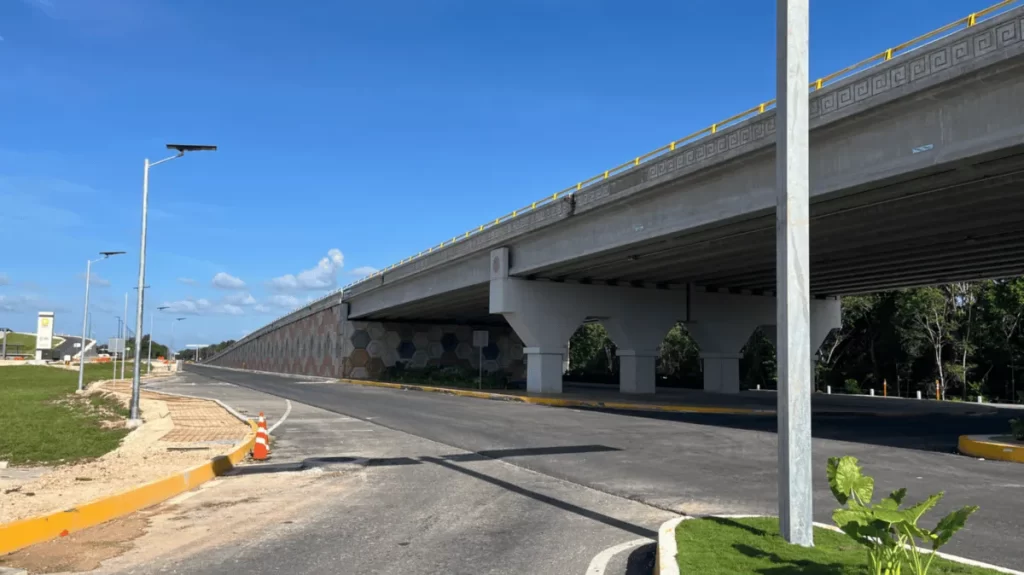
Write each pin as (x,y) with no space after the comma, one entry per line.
(759,387)
(829,388)
(919,394)
(872,392)
(980,399)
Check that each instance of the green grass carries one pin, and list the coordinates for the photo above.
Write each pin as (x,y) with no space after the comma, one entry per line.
(26,341)
(45,422)
(722,546)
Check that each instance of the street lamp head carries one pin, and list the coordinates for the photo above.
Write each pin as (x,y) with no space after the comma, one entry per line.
(163,307)
(182,148)
(108,254)
(181,318)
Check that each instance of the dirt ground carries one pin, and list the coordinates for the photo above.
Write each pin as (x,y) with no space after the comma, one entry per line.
(177,433)
(219,512)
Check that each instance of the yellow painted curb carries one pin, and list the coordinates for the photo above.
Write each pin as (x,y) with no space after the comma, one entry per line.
(989,448)
(557,402)
(25,532)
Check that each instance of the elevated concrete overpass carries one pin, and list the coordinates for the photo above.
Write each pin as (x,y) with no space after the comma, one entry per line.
(916,173)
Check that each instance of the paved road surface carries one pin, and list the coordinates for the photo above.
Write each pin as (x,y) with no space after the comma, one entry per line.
(691,463)
(420,507)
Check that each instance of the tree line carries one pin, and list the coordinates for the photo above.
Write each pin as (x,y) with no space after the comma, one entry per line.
(961,340)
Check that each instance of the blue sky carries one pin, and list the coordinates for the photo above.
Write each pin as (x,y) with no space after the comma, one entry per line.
(351,134)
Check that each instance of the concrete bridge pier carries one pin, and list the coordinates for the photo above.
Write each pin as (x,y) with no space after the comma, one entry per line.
(826,315)
(721,324)
(546,314)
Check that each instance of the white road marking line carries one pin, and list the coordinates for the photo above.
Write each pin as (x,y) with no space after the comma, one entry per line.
(600,561)
(287,410)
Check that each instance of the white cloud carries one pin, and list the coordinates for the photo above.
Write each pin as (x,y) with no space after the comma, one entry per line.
(227,281)
(202,306)
(17,303)
(95,280)
(240,298)
(323,276)
(283,300)
(364,271)
(187,281)
(261,308)
(4,280)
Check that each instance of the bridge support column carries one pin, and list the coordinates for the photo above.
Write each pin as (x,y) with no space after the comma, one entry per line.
(721,372)
(546,314)
(826,315)
(636,370)
(721,324)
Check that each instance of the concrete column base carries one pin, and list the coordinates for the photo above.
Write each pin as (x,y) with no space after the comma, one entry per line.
(636,371)
(543,370)
(721,372)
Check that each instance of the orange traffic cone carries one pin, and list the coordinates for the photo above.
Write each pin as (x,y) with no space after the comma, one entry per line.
(261,450)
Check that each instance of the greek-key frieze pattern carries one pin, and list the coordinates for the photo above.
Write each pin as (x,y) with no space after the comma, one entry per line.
(929,61)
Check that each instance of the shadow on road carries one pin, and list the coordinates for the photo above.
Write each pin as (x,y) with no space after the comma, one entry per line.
(447,461)
(924,432)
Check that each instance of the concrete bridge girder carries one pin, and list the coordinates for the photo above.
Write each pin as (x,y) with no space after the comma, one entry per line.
(546,314)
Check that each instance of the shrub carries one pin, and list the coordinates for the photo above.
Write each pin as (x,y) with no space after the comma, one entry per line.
(1017,428)
(852,386)
(889,532)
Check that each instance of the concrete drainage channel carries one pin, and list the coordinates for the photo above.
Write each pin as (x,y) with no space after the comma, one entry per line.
(312,465)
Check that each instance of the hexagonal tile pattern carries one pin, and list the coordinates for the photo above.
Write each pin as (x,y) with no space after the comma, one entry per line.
(422,340)
(407,332)
(465,351)
(375,348)
(435,332)
(359,373)
(419,359)
(449,341)
(435,349)
(390,356)
(491,352)
(516,353)
(392,339)
(360,339)
(449,359)
(359,358)
(406,349)
(491,366)
(376,330)
(464,333)
(376,367)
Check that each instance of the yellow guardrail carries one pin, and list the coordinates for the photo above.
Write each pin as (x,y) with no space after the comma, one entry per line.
(965,22)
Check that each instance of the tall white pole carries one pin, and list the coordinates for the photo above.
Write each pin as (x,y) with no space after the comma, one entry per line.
(149,363)
(124,336)
(85,326)
(793,272)
(142,294)
(116,333)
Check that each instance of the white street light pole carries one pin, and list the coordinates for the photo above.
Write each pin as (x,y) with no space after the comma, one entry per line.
(173,350)
(181,149)
(85,315)
(116,333)
(793,272)
(124,336)
(150,364)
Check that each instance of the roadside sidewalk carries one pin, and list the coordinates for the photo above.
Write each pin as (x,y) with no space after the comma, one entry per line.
(177,434)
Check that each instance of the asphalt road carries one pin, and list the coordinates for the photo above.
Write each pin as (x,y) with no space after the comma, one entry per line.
(693,463)
(413,506)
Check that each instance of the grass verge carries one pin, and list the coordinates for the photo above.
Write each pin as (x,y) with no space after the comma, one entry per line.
(714,546)
(45,422)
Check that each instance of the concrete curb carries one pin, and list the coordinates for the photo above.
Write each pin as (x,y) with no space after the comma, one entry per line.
(987,447)
(665,557)
(24,532)
(556,402)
